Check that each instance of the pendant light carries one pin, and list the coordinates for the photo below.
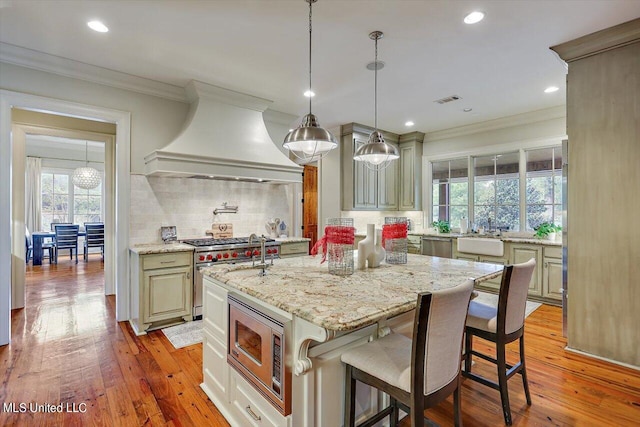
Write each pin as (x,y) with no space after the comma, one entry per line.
(376,153)
(86,177)
(309,142)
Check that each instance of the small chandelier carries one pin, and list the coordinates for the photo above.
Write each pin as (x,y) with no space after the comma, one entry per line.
(86,177)
(376,153)
(309,142)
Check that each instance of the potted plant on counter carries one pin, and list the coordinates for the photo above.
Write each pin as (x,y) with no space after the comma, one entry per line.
(442,226)
(547,230)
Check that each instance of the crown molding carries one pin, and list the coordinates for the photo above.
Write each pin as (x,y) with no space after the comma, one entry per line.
(79,70)
(504,122)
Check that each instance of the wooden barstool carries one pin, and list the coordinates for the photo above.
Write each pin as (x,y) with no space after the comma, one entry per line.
(417,373)
(501,325)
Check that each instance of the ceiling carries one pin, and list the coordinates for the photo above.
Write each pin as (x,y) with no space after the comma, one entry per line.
(499,67)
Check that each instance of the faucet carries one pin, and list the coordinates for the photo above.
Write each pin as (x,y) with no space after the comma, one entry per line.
(489,228)
(263,264)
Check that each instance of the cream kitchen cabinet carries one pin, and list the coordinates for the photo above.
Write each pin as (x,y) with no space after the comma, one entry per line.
(491,284)
(397,187)
(295,248)
(162,289)
(413,244)
(520,253)
(363,188)
(410,167)
(552,273)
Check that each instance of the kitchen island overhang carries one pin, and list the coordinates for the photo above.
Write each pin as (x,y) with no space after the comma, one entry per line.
(328,315)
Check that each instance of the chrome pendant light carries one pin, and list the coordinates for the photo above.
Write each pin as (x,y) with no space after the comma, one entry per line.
(86,177)
(376,153)
(309,142)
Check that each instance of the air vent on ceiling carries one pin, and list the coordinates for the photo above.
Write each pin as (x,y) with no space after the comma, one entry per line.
(447,99)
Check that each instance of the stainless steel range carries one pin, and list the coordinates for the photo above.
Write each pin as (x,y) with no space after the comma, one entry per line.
(212,251)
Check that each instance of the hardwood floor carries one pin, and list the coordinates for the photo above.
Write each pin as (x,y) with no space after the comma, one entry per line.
(67,348)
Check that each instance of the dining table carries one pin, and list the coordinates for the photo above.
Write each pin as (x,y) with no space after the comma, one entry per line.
(38,238)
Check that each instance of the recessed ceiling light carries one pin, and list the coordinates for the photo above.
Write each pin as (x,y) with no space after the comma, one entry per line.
(97,26)
(409,123)
(474,17)
(551,89)
(466,110)
(309,94)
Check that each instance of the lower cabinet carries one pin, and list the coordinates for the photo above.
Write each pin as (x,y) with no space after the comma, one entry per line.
(491,284)
(413,244)
(520,253)
(251,408)
(291,249)
(162,289)
(552,273)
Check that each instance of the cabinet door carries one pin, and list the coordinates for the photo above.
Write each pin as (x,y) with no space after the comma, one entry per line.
(407,178)
(495,282)
(387,187)
(167,293)
(520,254)
(364,182)
(552,279)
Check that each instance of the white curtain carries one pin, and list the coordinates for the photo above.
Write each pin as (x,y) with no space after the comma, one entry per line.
(33,194)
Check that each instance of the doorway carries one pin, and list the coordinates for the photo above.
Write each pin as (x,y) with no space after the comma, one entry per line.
(117,275)
(54,147)
(310,204)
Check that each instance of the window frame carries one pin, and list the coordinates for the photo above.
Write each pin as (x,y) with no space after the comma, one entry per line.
(522,149)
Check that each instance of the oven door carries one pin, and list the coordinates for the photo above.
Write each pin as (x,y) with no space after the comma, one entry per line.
(251,342)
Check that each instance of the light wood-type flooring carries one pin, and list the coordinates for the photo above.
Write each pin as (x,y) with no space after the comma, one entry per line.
(68,349)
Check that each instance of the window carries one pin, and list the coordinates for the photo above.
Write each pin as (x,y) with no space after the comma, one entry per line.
(64,202)
(87,205)
(544,187)
(450,185)
(496,191)
(55,198)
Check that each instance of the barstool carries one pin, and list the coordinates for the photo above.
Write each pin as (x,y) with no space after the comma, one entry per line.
(417,373)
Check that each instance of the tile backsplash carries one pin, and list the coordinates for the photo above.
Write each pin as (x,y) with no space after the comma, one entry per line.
(188,204)
(362,218)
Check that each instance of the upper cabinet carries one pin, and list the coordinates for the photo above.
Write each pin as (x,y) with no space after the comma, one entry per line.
(398,187)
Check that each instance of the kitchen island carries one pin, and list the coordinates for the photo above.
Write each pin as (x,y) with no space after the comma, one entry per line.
(327,315)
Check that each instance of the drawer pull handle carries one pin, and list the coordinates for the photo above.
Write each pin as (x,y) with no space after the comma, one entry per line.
(253,414)
(168,262)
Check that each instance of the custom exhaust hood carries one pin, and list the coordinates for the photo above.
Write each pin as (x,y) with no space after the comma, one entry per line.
(224,138)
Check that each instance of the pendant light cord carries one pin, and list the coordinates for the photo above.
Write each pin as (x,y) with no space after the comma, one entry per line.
(86,153)
(310,90)
(375,90)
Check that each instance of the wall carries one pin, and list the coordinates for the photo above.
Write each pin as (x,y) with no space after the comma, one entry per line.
(189,203)
(154,121)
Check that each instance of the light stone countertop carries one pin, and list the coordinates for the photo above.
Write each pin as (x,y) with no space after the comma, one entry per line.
(303,287)
(160,248)
(514,239)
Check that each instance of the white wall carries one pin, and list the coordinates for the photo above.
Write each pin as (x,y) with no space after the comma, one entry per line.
(154,121)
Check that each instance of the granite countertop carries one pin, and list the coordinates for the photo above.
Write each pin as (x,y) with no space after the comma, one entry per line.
(303,287)
(160,248)
(514,239)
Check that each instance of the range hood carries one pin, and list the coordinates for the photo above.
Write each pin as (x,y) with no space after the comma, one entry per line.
(224,138)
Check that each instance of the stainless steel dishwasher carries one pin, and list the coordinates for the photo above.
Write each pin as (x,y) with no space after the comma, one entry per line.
(436,246)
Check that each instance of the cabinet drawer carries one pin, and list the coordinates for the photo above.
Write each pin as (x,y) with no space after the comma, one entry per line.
(552,252)
(173,259)
(251,407)
(301,248)
(214,365)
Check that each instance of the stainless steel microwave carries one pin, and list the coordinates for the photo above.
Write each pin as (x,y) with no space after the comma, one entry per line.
(257,350)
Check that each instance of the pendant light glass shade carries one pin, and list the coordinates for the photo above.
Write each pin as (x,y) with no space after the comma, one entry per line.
(309,141)
(86,177)
(376,154)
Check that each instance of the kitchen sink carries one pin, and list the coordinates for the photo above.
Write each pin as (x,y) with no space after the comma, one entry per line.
(481,246)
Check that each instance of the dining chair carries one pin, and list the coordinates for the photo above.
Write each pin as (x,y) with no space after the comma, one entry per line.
(29,246)
(416,373)
(94,237)
(501,325)
(66,237)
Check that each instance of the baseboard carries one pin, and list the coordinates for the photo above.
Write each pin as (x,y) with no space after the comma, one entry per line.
(615,362)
